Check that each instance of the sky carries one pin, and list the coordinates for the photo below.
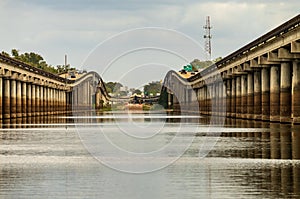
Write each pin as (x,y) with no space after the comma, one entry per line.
(135,41)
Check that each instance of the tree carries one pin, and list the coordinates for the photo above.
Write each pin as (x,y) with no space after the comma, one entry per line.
(33,59)
(137,91)
(153,87)
(5,54)
(197,64)
(113,87)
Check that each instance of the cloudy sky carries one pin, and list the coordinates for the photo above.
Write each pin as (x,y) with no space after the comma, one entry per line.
(77,27)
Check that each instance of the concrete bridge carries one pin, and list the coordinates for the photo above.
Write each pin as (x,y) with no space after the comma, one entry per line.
(28,91)
(259,81)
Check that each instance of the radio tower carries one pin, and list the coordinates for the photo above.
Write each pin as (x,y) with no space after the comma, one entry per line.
(207,37)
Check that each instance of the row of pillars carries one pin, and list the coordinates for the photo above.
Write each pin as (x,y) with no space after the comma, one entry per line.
(22,99)
(269,93)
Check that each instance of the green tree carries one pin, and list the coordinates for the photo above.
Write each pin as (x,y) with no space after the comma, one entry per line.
(5,54)
(33,59)
(113,87)
(153,87)
(137,91)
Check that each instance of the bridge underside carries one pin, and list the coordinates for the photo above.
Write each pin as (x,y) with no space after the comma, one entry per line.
(260,81)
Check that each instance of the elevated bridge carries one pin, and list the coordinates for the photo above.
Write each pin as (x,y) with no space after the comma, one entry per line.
(259,81)
(29,91)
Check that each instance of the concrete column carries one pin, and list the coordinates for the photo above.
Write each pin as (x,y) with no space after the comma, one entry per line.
(296,92)
(24,99)
(257,95)
(37,100)
(45,100)
(169,101)
(1,96)
(19,99)
(222,98)
(41,100)
(33,100)
(275,94)
(28,100)
(233,97)
(49,104)
(285,92)
(64,102)
(250,96)
(13,98)
(205,100)
(6,98)
(59,105)
(265,94)
(228,98)
(55,101)
(214,102)
(244,97)
(238,97)
(209,96)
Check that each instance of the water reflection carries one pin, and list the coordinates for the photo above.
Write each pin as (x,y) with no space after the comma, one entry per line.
(269,140)
(40,157)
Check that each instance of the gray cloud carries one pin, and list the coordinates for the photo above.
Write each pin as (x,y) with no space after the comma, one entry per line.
(75,27)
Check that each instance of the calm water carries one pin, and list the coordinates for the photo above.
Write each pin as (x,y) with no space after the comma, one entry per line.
(248,160)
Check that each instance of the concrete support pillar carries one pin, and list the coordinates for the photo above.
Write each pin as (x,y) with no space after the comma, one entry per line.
(296,92)
(228,98)
(214,101)
(13,98)
(285,92)
(64,101)
(257,95)
(275,94)
(6,98)
(50,105)
(24,99)
(28,99)
(238,97)
(45,101)
(55,101)
(265,94)
(1,96)
(41,100)
(244,93)
(250,96)
(19,99)
(209,98)
(205,100)
(37,100)
(170,100)
(233,97)
(222,98)
(33,100)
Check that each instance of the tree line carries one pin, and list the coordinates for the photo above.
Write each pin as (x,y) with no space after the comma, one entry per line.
(36,60)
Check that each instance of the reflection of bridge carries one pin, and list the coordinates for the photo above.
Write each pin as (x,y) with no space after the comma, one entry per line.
(260,81)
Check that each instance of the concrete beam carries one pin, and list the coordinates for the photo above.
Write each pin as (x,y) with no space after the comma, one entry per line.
(295,47)
(273,57)
(286,54)
(262,60)
(247,67)
(253,63)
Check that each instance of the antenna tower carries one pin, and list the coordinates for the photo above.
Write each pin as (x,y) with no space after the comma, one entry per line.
(207,37)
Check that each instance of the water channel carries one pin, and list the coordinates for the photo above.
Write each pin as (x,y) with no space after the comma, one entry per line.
(49,157)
